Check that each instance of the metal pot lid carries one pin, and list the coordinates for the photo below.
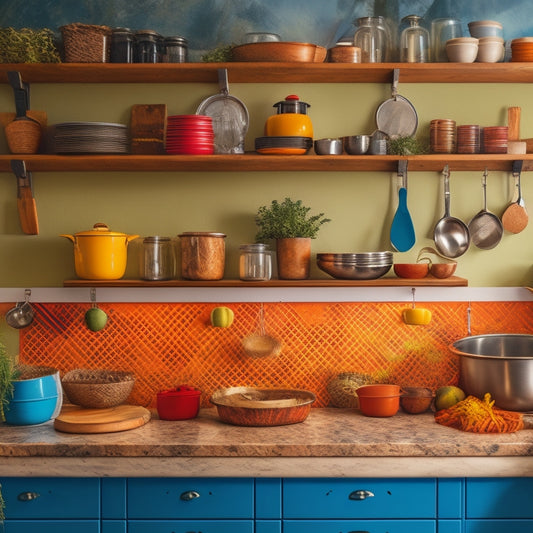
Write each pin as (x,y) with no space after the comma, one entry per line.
(292,104)
(201,234)
(100,230)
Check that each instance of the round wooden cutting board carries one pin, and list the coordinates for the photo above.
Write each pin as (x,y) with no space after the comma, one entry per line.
(121,418)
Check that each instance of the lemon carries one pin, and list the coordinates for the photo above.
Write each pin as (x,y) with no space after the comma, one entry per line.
(96,319)
(222,317)
(448,396)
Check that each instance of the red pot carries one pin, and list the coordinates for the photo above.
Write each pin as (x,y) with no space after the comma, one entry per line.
(180,403)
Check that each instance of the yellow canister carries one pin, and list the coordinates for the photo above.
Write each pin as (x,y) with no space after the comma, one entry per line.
(291,119)
(100,253)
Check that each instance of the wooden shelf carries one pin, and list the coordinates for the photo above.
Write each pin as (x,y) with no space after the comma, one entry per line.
(389,281)
(272,72)
(253,162)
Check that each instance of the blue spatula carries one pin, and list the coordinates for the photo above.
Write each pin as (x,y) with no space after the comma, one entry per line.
(402,232)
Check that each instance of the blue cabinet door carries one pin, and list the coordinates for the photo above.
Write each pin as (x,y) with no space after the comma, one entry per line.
(359,526)
(189,526)
(359,498)
(51,526)
(499,526)
(182,498)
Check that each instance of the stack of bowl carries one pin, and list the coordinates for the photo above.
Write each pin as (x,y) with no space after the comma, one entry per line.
(462,49)
(363,266)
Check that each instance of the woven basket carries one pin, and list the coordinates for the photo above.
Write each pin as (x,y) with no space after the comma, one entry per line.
(33,371)
(23,136)
(97,388)
(86,43)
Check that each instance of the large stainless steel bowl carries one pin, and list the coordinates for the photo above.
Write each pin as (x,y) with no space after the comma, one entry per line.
(500,364)
(363,266)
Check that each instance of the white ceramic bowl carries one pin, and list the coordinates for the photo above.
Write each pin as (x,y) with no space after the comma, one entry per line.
(462,50)
(485,28)
(490,50)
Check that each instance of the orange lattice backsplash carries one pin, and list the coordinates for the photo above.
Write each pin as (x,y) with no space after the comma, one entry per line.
(172,343)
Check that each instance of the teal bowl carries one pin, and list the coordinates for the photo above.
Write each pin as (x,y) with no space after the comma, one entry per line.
(30,412)
(36,388)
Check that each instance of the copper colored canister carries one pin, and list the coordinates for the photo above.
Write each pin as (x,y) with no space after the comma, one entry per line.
(202,255)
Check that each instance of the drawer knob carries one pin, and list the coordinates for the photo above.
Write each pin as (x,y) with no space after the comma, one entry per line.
(189,495)
(361,495)
(28,496)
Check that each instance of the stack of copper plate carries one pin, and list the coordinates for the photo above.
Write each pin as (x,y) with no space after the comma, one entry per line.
(522,49)
(468,139)
(442,136)
(495,139)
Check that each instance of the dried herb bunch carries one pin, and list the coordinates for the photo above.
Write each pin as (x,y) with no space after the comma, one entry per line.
(28,46)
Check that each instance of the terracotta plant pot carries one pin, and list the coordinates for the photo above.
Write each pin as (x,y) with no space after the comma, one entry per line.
(294,257)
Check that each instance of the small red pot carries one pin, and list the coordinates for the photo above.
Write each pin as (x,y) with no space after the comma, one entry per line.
(180,403)
(379,400)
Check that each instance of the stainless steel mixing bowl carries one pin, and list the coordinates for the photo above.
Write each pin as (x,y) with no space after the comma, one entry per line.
(370,265)
(500,364)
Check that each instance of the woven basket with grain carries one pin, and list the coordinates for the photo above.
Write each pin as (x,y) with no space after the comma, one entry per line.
(86,43)
(97,388)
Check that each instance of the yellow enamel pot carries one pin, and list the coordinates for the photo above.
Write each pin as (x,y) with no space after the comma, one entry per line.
(100,253)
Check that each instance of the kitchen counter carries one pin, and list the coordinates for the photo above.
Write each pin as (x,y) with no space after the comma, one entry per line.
(329,443)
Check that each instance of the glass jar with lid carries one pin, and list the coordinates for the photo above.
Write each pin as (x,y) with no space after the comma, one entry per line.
(147,46)
(414,41)
(122,40)
(157,259)
(255,263)
(175,49)
(372,37)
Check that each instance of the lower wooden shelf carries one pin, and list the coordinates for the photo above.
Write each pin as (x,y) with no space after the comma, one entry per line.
(390,281)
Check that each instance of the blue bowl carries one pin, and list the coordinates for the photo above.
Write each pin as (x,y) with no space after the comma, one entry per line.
(29,412)
(36,388)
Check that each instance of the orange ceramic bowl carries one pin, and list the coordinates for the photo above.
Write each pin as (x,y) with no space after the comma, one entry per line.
(411,270)
(443,270)
(379,400)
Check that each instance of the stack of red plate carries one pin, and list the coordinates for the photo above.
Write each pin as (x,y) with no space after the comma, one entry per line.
(522,49)
(442,136)
(468,139)
(190,134)
(495,139)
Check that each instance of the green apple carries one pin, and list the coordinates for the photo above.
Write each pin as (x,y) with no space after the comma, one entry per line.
(95,319)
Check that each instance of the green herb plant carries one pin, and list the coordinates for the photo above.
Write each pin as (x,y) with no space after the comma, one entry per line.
(220,54)
(7,375)
(286,220)
(28,46)
(406,145)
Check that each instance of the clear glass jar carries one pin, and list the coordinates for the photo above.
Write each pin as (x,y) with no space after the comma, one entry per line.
(147,44)
(175,50)
(157,260)
(255,262)
(122,46)
(414,41)
(372,37)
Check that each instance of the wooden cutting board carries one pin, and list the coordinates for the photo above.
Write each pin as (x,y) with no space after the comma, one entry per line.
(74,419)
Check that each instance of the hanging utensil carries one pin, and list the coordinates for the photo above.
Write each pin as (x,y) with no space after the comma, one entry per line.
(397,116)
(230,117)
(515,217)
(26,206)
(22,314)
(486,229)
(451,235)
(261,344)
(402,232)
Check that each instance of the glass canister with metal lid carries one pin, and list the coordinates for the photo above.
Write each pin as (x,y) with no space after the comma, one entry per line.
(175,49)
(255,262)
(122,41)
(157,259)
(147,46)
(372,37)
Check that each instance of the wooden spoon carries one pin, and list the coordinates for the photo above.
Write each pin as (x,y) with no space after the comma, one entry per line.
(515,217)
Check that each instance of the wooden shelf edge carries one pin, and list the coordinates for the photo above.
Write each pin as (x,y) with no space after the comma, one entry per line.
(253,162)
(276,72)
(428,281)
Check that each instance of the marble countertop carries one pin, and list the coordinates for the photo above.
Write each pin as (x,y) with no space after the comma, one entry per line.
(329,443)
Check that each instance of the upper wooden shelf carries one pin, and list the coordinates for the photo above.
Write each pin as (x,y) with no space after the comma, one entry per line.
(253,162)
(271,72)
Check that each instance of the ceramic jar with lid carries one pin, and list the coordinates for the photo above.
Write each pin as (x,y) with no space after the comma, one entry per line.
(291,119)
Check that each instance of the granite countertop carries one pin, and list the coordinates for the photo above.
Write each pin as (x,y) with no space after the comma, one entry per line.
(329,443)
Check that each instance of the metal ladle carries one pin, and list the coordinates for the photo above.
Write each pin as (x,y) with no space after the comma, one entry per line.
(22,314)
(451,235)
(486,229)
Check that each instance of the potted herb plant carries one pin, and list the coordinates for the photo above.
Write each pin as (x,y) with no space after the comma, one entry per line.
(291,225)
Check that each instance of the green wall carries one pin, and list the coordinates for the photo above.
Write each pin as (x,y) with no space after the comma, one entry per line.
(361,204)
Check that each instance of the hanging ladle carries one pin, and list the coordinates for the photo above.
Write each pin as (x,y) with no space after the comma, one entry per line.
(261,344)
(22,314)
(451,235)
(486,229)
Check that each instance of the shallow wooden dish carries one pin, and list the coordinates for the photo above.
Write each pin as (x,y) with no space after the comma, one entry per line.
(248,406)
(280,52)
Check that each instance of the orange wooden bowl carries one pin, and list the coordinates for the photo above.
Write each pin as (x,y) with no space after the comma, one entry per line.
(379,400)
(280,52)
(443,270)
(411,270)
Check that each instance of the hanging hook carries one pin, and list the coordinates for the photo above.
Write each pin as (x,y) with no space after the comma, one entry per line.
(93,297)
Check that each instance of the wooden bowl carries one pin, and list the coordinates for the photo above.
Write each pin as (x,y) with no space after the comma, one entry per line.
(411,270)
(415,400)
(280,52)
(247,406)
(443,270)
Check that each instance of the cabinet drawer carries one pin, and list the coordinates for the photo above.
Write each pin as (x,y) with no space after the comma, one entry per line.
(55,498)
(499,498)
(359,526)
(190,498)
(197,526)
(51,526)
(498,526)
(359,498)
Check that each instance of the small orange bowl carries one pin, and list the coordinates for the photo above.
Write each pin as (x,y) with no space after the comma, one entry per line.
(379,400)
(411,270)
(443,270)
